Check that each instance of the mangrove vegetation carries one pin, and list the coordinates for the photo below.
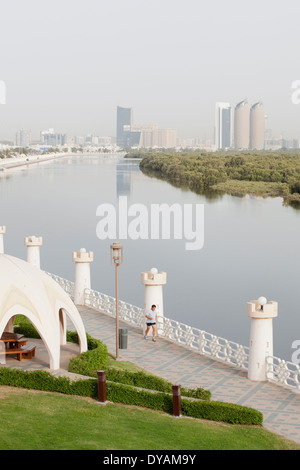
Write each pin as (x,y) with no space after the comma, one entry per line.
(260,174)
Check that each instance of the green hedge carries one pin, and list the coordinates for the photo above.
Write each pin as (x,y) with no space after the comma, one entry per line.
(96,359)
(25,327)
(92,343)
(92,360)
(88,362)
(43,380)
(152,382)
(210,410)
(126,394)
(122,385)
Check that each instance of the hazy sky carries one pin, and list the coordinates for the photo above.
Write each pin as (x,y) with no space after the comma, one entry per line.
(68,64)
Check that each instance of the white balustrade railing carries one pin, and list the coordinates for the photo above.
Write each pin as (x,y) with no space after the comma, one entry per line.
(280,372)
(106,304)
(205,343)
(197,340)
(68,286)
(283,373)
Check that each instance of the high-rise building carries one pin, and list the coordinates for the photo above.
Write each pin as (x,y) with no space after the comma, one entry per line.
(164,138)
(130,135)
(23,138)
(154,137)
(223,126)
(124,122)
(257,127)
(242,126)
(52,139)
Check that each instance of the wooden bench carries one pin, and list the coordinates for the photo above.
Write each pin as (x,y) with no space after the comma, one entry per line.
(27,351)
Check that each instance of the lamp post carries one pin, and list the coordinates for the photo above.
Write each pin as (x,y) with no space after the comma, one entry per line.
(116,253)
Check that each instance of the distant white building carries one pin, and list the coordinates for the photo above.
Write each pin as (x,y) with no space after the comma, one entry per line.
(223,126)
(242,126)
(52,139)
(23,138)
(257,127)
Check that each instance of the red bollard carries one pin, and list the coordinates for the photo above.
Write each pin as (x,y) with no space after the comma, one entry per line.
(176,401)
(101,387)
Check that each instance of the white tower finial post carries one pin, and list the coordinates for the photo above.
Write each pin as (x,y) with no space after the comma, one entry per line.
(2,232)
(33,244)
(153,282)
(261,313)
(82,260)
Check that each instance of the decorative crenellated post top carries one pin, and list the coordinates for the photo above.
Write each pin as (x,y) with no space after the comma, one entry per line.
(83,256)
(257,310)
(153,278)
(33,241)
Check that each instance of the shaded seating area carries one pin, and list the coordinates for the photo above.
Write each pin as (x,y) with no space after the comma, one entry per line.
(29,292)
(15,344)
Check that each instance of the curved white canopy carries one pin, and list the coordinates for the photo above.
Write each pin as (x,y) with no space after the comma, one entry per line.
(26,290)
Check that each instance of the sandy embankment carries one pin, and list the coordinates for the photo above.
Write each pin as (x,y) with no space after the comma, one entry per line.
(8,163)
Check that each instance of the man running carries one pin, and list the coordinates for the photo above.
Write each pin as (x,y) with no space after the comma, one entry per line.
(151,319)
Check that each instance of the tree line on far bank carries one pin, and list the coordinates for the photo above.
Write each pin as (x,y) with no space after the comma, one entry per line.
(261,173)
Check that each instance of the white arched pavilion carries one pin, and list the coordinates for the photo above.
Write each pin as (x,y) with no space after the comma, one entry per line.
(26,290)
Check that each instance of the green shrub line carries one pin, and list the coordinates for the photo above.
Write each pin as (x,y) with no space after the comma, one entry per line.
(129,388)
(88,363)
(128,395)
(143,380)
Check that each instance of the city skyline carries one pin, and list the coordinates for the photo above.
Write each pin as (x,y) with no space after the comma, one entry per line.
(222,136)
(168,61)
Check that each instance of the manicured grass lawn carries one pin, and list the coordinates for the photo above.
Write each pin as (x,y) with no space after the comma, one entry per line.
(32,420)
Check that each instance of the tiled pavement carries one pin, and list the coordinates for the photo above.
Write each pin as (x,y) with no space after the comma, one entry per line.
(280,407)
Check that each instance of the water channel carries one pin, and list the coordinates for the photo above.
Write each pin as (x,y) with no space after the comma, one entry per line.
(251,245)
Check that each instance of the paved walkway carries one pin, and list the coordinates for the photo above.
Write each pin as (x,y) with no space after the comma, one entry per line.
(280,407)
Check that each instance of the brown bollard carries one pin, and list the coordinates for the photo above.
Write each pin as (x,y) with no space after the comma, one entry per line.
(176,401)
(101,387)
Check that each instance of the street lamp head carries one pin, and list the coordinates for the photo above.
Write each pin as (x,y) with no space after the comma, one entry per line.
(262,301)
(153,271)
(116,250)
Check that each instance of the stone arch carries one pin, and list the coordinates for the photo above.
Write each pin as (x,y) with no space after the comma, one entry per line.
(21,310)
(28,291)
(64,312)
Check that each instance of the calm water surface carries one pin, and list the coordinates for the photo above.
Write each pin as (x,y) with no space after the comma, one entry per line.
(251,246)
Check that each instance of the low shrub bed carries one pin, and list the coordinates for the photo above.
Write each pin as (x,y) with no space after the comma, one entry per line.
(130,388)
(43,380)
(25,327)
(94,359)
(129,395)
(143,380)
(88,363)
